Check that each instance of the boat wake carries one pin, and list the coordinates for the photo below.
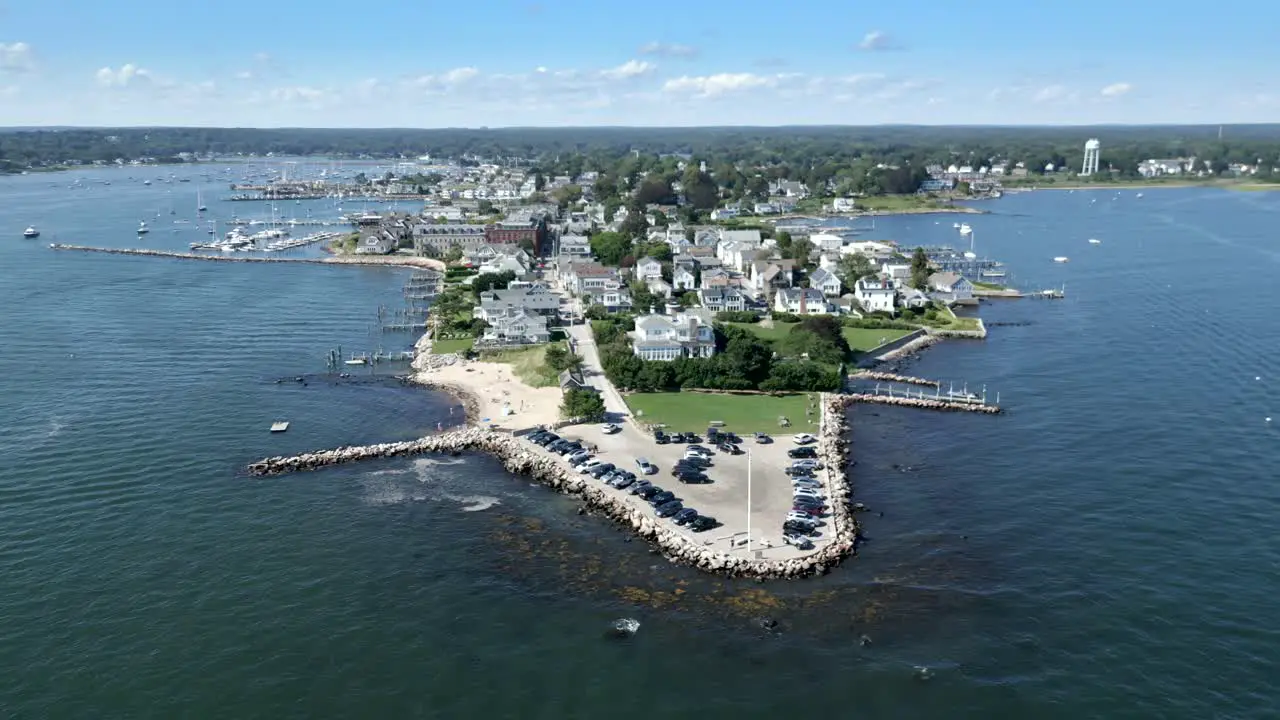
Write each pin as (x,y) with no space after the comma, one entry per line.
(473,503)
(624,628)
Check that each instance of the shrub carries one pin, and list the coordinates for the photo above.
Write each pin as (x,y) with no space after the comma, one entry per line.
(738,316)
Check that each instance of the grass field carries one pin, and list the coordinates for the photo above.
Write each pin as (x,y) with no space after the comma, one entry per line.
(690,411)
(864,339)
(528,364)
(768,334)
(987,286)
(451,345)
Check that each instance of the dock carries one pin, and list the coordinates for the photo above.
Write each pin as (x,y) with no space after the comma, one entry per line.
(279,427)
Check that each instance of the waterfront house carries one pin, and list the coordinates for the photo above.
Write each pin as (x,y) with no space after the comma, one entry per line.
(378,242)
(900,273)
(665,337)
(437,239)
(503,263)
(913,298)
(536,299)
(580,277)
(950,288)
(825,281)
(725,213)
(515,326)
(648,269)
(718,299)
(800,301)
(826,242)
(876,293)
(789,189)
(843,205)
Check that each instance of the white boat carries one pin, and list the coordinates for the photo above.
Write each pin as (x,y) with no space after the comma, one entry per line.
(1095,241)
(143,229)
(1139,194)
(965,229)
(31,232)
(1061,259)
(956,225)
(146,182)
(356,361)
(200,203)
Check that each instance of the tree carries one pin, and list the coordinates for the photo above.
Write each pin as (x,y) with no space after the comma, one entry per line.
(611,247)
(784,242)
(582,404)
(962,188)
(567,195)
(659,251)
(919,269)
(484,207)
(453,254)
(800,250)
(539,181)
(852,268)
(655,190)
(492,281)
(635,224)
(699,189)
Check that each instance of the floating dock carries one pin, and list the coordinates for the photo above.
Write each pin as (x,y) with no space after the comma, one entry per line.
(279,427)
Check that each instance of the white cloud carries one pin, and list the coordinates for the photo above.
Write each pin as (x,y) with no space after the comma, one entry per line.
(876,40)
(719,84)
(127,75)
(671,50)
(1049,93)
(16,57)
(629,69)
(8,91)
(1116,89)
(244,75)
(300,93)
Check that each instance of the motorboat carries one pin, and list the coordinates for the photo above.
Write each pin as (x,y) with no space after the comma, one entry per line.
(1062,259)
(965,229)
(1095,241)
(143,229)
(31,232)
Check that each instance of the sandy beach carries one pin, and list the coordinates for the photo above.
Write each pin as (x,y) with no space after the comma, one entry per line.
(486,388)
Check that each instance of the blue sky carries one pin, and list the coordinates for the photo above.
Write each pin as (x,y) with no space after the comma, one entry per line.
(576,62)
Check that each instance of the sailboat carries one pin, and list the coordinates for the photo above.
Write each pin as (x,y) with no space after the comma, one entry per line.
(142,228)
(200,203)
(970,255)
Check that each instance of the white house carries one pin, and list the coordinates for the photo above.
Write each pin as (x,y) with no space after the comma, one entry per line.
(769,275)
(648,269)
(503,263)
(535,300)
(575,246)
(663,337)
(717,299)
(800,301)
(580,277)
(724,213)
(514,325)
(843,205)
(825,281)
(900,273)
(827,242)
(683,278)
(875,293)
(660,287)
(950,287)
(615,299)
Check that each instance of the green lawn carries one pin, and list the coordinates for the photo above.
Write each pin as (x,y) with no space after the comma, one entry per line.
(987,286)
(451,345)
(768,334)
(691,411)
(528,364)
(864,339)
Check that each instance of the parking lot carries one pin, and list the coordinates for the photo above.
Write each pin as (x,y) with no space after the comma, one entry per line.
(724,498)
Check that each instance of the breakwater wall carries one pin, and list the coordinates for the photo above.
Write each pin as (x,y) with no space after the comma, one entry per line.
(979,334)
(924,403)
(915,344)
(373,260)
(523,458)
(894,377)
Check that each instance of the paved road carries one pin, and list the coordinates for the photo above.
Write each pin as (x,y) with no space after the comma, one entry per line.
(615,407)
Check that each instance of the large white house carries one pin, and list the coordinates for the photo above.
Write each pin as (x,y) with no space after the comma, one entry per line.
(536,299)
(721,298)
(842,205)
(666,337)
(875,293)
(648,268)
(826,281)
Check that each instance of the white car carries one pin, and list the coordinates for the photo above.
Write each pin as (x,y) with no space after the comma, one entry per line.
(588,465)
(610,429)
(646,467)
(806,464)
(804,439)
(801,518)
(806,492)
(799,541)
(807,484)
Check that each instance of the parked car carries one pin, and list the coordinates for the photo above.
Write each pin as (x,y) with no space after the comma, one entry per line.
(610,429)
(799,541)
(623,481)
(808,484)
(599,470)
(730,438)
(807,492)
(577,461)
(802,452)
(702,523)
(536,435)
(694,460)
(646,467)
(804,439)
(638,485)
(684,516)
(699,450)
(578,457)
(693,478)
(763,439)
(670,508)
(587,466)
(661,438)
(798,472)
(809,509)
(570,449)
(664,496)
(547,438)
(649,491)
(692,438)
(800,528)
(807,464)
(801,517)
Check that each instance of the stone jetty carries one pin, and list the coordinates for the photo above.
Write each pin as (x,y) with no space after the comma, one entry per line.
(924,403)
(366,261)
(520,457)
(894,377)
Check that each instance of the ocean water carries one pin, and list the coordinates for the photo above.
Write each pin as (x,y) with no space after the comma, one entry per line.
(1104,549)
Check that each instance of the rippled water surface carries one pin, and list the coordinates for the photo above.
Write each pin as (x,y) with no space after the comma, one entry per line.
(1103,550)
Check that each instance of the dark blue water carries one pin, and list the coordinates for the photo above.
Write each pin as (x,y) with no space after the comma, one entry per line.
(1103,550)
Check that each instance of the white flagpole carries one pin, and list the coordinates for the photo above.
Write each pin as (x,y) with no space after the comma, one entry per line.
(748,501)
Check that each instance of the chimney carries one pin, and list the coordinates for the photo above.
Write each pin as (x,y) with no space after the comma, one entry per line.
(803,296)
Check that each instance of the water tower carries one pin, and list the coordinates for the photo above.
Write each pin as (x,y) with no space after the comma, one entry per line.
(1092,149)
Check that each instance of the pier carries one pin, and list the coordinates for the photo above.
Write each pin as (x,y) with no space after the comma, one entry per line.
(894,377)
(927,401)
(362,260)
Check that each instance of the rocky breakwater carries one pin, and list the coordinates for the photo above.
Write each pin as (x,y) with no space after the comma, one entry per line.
(522,458)
(894,377)
(833,452)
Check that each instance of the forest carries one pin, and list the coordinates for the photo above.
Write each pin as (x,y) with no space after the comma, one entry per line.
(810,153)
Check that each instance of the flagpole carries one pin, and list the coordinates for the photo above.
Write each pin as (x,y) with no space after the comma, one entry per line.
(748,502)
